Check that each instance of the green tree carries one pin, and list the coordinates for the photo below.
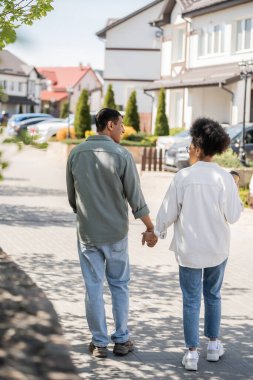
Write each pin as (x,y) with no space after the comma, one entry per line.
(82,116)
(109,101)
(64,110)
(15,13)
(3,96)
(132,116)
(161,123)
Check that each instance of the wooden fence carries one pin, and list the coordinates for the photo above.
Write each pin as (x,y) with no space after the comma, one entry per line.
(152,159)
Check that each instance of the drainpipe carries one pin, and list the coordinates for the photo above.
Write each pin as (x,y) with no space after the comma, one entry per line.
(230,92)
(226,89)
(153,98)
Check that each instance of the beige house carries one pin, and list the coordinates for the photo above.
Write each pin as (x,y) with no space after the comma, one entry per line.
(21,83)
(203,43)
(133,57)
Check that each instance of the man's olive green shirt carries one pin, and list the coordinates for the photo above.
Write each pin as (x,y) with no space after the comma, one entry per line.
(101,180)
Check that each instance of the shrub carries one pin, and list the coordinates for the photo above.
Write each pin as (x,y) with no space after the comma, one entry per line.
(129,131)
(89,133)
(132,117)
(109,101)
(176,130)
(244,195)
(140,139)
(82,121)
(161,123)
(63,133)
(64,110)
(228,159)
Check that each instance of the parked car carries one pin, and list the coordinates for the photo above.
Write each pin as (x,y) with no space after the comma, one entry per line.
(177,156)
(235,134)
(16,119)
(23,125)
(49,128)
(164,142)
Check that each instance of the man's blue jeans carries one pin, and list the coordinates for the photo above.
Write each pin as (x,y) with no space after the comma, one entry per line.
(191,286)
(112,261)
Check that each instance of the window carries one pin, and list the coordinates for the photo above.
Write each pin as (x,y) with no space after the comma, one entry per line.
(178,45)
(244,34)
(249,137)
(201,45)
(20,87)
(12,86)
(3,84)
(211,40)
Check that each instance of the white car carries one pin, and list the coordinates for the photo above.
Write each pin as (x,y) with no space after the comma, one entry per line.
(49,128)
(165,142)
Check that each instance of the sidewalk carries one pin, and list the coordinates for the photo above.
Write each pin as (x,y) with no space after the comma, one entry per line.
(38,230)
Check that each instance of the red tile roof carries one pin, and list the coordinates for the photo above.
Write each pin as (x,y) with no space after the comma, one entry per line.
(63,77)
(57,96)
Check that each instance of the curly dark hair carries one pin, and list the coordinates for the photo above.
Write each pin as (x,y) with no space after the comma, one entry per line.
(209,136)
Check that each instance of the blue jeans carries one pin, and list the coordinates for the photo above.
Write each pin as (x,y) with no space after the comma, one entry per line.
(191,286)
(110,260)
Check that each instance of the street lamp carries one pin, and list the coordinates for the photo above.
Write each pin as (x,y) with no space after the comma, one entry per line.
(246,71)
(70,92)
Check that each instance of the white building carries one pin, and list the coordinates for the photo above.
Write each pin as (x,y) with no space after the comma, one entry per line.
(21,83)
(133,57)
(203,42)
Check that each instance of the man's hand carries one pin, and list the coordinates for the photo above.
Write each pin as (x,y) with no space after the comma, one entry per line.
(149,238)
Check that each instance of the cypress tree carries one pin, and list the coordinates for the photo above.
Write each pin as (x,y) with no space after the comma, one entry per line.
(131,117)
(161,123)
(109,101)
(82,121)
(64,110)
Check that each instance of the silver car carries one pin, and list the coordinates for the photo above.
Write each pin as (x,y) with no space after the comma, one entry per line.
(177,156)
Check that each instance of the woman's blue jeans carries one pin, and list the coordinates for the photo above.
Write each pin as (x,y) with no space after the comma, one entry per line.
(191,282)
(110,261)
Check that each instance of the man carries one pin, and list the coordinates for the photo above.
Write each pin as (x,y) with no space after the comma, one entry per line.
(101,180)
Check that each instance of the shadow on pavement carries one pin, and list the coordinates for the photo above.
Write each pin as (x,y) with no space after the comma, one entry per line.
(154,325)
(29,191)
(21,215)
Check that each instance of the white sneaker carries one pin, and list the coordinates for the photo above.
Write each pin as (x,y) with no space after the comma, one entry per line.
(190,360)
(214,351)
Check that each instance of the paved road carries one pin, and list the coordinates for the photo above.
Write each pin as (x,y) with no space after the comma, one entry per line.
(38,229)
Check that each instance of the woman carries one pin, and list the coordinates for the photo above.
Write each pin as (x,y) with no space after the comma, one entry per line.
(201,201)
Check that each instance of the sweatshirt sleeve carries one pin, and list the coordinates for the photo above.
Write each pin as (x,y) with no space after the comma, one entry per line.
(232,203)
(70,186)
(168,212)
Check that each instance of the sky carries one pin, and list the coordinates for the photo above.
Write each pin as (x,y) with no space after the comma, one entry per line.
(67,35)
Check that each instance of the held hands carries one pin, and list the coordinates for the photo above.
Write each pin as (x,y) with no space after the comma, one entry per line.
(149,238)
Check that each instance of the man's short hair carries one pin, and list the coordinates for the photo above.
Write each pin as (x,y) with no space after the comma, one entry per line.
(105,115)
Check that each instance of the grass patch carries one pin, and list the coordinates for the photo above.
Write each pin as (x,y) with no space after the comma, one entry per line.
(73,141)
(244,195)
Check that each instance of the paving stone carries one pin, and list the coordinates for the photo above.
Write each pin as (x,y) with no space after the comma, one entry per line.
(38,230)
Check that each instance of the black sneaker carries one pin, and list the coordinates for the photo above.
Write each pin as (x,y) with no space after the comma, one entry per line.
(121,349)
(98,352)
